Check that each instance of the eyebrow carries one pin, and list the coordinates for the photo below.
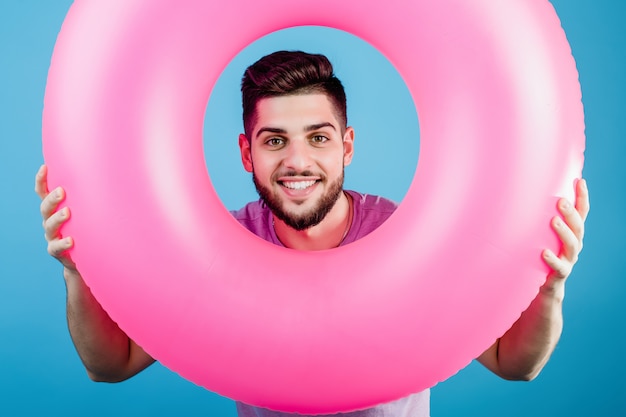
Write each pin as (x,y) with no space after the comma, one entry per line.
(308,128)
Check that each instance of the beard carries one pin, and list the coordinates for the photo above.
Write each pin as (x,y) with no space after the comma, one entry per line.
(305,220)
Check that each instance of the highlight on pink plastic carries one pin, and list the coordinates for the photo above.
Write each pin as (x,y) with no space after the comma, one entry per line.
(502,136)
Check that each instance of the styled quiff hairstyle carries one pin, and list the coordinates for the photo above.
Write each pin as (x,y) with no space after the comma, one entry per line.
(285,73)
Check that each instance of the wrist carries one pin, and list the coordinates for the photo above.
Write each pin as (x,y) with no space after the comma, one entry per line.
(71,275)
(553,288)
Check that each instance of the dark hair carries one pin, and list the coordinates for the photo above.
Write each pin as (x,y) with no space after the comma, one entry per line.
(290,73)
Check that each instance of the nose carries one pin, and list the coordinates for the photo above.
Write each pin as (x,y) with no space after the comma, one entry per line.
(297,156)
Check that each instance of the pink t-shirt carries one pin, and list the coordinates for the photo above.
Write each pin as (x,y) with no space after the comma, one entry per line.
(369,212)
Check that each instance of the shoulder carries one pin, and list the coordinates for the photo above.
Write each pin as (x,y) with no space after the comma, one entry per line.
(370,211)
(257,218)
(250,211)
(372,203)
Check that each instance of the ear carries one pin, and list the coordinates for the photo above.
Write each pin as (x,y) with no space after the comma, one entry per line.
(246,153)
(348,146)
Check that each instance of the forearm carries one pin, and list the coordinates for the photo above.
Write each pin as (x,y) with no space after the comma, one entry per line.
(105,350)
(522,352)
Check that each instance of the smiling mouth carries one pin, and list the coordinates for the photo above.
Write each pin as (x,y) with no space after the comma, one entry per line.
(297,185)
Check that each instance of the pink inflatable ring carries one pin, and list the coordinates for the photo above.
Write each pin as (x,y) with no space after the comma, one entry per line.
(500,110)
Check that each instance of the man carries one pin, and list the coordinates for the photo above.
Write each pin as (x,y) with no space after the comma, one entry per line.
(296,145)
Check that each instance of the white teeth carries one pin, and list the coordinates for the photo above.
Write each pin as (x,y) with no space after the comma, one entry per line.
(298,185)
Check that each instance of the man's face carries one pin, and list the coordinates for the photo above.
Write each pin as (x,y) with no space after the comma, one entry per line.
(296,153)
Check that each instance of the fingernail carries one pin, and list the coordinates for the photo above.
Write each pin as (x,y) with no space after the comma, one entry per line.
(57,192)
(565,205)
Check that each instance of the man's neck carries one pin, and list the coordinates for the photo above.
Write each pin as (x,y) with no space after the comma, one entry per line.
(328,234)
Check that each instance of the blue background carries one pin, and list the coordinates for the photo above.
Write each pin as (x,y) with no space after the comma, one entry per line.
(41,374)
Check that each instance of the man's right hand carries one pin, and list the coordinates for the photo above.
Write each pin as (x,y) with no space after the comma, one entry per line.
(106,351)
(53,219)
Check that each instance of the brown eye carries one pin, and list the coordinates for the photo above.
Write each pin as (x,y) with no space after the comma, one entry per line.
(319,139)
(275,142)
